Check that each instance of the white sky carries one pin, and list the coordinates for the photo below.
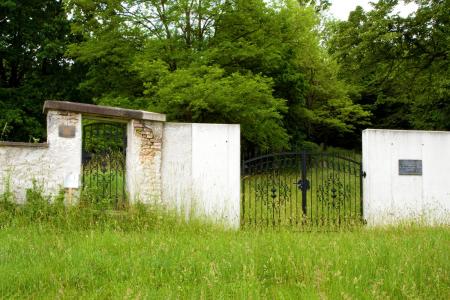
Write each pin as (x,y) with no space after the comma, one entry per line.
(340,9)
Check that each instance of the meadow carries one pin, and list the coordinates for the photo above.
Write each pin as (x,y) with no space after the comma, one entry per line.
(90,251)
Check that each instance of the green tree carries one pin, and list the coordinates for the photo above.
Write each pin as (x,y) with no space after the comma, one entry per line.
(168,45)
(282,41)
(207,94)
(33,38)
(399,66)
(269,51)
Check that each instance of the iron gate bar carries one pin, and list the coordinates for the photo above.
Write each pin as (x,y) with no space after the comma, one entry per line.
(361,189)
(304,186)
(246,161)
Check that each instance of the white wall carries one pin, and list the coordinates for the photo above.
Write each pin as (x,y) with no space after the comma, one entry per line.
(201,170)
(20,165)
(194,168)
(177,166)
(391,198)
(50,165)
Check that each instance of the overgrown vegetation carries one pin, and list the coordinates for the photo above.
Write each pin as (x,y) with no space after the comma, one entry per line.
(49,250)
(89,211)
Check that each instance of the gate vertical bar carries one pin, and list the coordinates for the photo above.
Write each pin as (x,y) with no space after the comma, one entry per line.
(304,189)
(361,192)
(243,191)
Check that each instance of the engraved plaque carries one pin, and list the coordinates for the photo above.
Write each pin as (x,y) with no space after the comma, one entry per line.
(66,131)
(409,167)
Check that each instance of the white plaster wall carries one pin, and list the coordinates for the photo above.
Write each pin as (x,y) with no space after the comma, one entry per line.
(49,166)
(201,170)
(391,198)
(176,167)
(64,153)
(19,166)
(216,171)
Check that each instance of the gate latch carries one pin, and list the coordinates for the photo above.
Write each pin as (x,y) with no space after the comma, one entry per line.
(303,184)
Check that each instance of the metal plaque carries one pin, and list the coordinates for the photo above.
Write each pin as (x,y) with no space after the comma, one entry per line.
(66,131)
(409,167)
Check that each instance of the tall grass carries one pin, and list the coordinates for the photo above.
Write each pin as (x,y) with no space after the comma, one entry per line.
(48,250)
(91,211)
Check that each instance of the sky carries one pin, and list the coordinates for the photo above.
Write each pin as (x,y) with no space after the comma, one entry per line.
(340,9)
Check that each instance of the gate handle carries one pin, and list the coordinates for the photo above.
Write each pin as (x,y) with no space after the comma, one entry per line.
(302,184)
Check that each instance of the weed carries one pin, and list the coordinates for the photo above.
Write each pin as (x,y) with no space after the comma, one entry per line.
(5,130)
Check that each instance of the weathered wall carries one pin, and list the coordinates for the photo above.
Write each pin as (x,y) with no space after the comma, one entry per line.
(194,168)
(177,167)
(201,170)
(49,164)
(143,161)
(390,197)
(20,165)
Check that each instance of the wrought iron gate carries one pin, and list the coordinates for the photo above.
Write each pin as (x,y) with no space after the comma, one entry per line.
(301,188)
(103,159)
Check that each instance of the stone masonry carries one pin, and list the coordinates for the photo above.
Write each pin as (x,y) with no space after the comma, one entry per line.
(144,161)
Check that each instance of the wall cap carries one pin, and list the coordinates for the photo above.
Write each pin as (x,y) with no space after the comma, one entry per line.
(21,144)
(103,111)
(407,131)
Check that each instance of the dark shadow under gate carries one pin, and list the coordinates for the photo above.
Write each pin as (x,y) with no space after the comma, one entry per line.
(301,189)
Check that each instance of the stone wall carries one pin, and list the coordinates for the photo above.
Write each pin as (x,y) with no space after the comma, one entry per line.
(49,164)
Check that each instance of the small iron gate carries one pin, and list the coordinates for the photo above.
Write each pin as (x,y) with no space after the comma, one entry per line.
(301,189)
(103,159)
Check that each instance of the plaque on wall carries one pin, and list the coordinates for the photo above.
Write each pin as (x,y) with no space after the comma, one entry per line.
(409,167)
(66,131)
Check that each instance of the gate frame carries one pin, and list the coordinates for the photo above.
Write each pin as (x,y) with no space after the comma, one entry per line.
(123,128)
(303,174)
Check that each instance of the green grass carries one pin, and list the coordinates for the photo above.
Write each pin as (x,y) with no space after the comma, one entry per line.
(195,261)
(48,250)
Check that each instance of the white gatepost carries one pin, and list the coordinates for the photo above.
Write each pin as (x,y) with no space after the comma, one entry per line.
(201,170)
(406,176)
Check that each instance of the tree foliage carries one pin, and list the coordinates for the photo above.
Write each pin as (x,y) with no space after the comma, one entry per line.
(33,39)
(208,94)
(398,65)
(267,65)
(251,62)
